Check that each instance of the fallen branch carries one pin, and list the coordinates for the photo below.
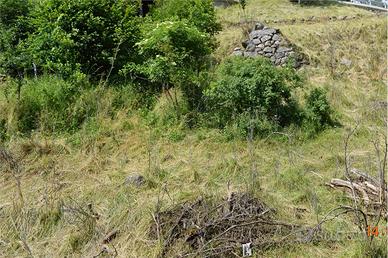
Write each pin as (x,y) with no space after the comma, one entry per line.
(347,184)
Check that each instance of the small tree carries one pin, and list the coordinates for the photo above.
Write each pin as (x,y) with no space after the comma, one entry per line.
(174,55)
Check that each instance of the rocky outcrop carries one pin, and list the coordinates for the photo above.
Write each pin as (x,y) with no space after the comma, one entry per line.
(269,43)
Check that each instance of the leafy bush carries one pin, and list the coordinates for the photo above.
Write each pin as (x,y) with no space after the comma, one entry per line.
(199,20)
(318,115)
(174,54)
(92,36)
(199,13)
(12,10)
(247,88)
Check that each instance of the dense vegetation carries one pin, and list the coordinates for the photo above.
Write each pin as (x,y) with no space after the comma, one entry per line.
(94,43)
(91,93)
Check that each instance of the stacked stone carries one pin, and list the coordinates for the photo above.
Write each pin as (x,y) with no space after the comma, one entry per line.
(267,42)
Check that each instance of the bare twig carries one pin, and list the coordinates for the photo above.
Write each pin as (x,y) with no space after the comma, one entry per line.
(364,175)
(117,50)
(347,169)
(343,210)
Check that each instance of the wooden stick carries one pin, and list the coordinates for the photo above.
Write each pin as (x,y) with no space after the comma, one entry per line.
(343,183)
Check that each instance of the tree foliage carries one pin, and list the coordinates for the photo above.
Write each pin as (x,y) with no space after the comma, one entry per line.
(92,36)
(199,13)
(174,53)
(14,29)
(85,35)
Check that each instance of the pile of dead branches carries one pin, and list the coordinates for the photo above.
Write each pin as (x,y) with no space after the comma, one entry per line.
(219,229)
(365,188)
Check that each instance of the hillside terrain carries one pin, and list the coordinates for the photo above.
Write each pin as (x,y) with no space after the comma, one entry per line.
(124,165)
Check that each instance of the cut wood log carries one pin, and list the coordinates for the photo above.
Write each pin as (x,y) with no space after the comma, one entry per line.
(372,188)
(347,184)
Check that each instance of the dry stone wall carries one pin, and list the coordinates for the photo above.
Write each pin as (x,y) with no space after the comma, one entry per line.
(269,43)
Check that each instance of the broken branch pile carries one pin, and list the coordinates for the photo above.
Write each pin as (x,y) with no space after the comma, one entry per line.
(365,187)
(219,229)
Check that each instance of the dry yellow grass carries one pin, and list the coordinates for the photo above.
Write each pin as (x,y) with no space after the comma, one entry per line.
(263,10)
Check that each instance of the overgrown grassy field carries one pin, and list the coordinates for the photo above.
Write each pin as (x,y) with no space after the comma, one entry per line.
(87,170)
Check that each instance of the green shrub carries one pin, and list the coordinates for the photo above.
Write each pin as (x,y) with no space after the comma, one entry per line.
(199,13)
(318,115)
(247,89)
(67,36)
(174,54)
(12,10)
(86,35)
(176,48)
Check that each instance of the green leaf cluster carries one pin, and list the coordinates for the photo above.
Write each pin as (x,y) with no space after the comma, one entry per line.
(62,37)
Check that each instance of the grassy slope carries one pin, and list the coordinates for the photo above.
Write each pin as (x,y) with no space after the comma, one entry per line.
(91,166)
